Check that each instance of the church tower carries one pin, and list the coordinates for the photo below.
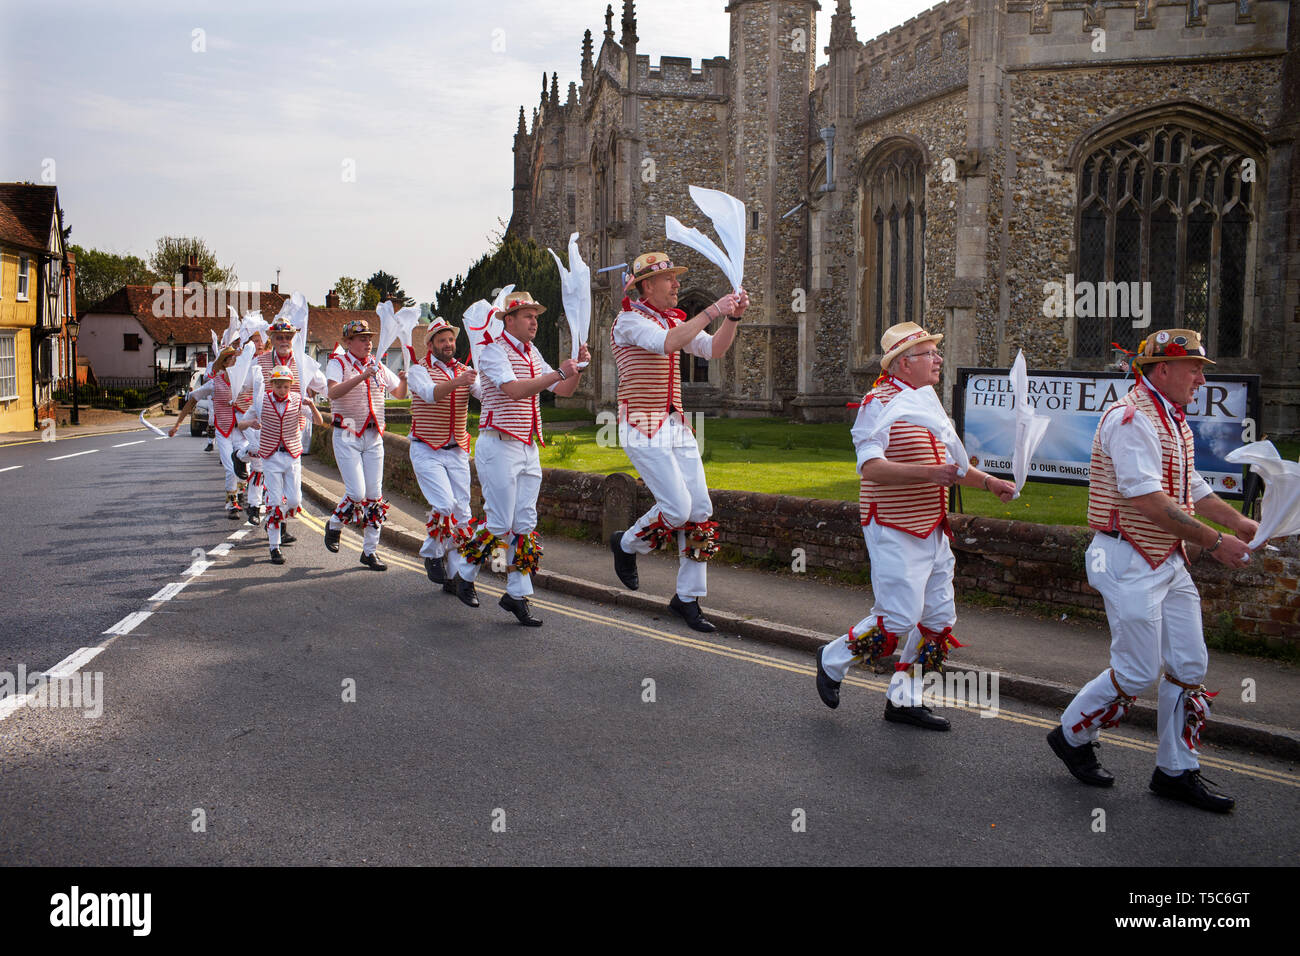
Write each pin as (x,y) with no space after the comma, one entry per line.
(772,54)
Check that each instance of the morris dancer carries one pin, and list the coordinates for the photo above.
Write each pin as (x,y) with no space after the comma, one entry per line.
(278,416)
(280,353)
(358,385)
(247,452)
(509,466)
(1143,489)
(217,386)
(647,335)
(440,388)
(903,503)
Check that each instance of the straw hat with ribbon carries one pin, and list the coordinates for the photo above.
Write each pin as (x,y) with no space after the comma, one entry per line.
(650,264)
(899,338)
(1168,345)
(439,324)
(520,300)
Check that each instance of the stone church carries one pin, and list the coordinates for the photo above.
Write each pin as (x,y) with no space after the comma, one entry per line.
(947,172)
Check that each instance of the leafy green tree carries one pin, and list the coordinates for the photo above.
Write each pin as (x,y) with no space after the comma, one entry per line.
(370,297)
(526,265)
(349,292)
(172,252)
(100,274)
(389,288)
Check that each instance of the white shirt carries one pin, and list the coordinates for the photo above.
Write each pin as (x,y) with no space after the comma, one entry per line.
(335,372)
(422,384)
(1135,450)
(633,328)
(317,384)
(495,364)
(868,420)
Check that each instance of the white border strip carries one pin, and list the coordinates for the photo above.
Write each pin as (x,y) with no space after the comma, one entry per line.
(73,455)
(129,623)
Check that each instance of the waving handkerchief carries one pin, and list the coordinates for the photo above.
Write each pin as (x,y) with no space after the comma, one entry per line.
(921,406)
(483,324)
(152,427)
(575,289)
(253,324)
(1030,426)
(231,335)
(728,216)
(396,327)
(1279,510)
(238,371)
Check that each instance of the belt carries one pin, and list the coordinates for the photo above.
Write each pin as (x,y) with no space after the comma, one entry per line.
(449,446)
(1112,534)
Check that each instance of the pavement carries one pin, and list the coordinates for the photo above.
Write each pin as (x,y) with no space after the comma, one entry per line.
(1036,659)
(93,421)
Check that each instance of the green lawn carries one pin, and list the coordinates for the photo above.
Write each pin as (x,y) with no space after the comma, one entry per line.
(812,461)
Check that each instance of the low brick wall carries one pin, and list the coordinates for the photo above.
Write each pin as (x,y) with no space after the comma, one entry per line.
(1017,560)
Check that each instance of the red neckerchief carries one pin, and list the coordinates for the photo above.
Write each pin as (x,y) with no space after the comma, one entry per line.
(671,316)
(430,360)
(1179,413)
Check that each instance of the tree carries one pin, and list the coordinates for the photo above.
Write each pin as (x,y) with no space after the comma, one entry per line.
(389,288)
(526,265)
(349,292)
(173,252)
(100,274)
(370,297)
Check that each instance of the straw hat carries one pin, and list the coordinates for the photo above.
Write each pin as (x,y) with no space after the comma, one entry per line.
(281,373)
(1169,344)
(521,300)
(899,338)
(439,324)
(651,264)
(356,327)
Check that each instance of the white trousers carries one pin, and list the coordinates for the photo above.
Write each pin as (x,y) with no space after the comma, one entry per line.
(361,466)
(225,448)
(510,474)
(669,464)
(256,478)
(443,474)
(1155,620)
(283,475)
(911,582)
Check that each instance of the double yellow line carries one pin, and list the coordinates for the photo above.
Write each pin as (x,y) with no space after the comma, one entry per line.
(751,657)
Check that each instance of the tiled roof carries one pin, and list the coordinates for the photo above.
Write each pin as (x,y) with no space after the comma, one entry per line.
(27,214)
(164,315)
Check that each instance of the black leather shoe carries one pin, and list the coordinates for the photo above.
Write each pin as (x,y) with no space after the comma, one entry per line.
(1190,788)
(624,563)
(691,614)
(519,608)
(209,448)
(916,716)
(254,513)
(828,690)
(449,584)
(434,569)
(234,513)
(240,466)
(466,592)
(1081,760)
(332,536)
(372,561)
(287,536)
(276,556)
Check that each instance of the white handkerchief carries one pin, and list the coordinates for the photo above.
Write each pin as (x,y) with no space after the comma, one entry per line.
(1279,509)
(921,406)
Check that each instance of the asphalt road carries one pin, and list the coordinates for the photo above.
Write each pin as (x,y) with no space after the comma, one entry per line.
(472,740)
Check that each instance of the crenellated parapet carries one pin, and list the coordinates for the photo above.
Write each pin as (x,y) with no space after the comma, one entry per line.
(924,57)
(676,76)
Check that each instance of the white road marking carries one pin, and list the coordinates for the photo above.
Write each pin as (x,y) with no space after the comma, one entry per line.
(234,537)
(16,702)
(126,443)
(11,468)
(74,662)
(170,591)
(162,438)
(197,568)
(73,455)
(128,623)
(221,550)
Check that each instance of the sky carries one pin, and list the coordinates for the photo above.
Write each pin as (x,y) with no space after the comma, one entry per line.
(318,138)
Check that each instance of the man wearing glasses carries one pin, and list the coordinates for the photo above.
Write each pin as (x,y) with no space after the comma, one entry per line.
(903,504)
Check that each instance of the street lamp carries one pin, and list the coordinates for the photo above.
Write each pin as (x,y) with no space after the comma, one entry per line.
(73,328)
(171,350)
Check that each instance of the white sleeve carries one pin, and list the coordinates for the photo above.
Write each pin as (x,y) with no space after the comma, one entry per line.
(494,364)
(333,370)
(1198,487)
(390,377)
(544,368)
(477,389)
(420,384)
(203,391)
(702,345)
(318,384)
(254,409)
(867,421)
(1134,447)
(633,329)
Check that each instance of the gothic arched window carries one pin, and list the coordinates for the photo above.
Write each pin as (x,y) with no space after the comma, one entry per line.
(892,227)
(1172,205)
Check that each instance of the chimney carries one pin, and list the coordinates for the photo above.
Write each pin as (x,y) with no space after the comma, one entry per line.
(192,271)
(275,287)
(331,299)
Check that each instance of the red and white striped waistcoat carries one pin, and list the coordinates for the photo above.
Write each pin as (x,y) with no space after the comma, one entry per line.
(365,403)
(917,508)
(281,425)
(269,360)
(649,385)
(442,422)
(519,419)
(1108,510)
(223,409)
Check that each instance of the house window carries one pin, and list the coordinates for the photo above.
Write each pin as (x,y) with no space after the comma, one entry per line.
(130,342)
(8,367)
(180,355)
(24,267)
(1167,208)
(893,231)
